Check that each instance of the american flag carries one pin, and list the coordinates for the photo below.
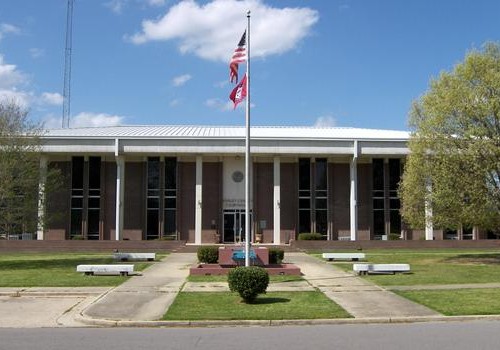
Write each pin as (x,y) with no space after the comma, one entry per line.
(239,55)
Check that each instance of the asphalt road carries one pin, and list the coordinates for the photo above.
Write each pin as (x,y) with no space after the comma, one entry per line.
(447,335)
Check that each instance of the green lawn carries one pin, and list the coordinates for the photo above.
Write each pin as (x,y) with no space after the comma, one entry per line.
(458,302)
(270,306)
(56,270)
(435,266)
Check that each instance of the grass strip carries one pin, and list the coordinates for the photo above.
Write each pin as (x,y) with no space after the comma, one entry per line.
(270,306)
(430,267)
(458,302)
(57,270)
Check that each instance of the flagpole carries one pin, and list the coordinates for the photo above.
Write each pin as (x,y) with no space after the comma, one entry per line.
(247,151)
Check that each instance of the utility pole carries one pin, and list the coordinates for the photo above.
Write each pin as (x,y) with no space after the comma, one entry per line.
(67,66)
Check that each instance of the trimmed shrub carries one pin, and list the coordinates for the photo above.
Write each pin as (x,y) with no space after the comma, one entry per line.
(208,255)
(248,282)
(311,237)
(394,237)
(276,255)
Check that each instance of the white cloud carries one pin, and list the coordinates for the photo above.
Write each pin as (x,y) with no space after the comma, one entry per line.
(21,98)
(52,98)
(116,6)
(181,79)
(175,102)
(10,76)
(156,2)
(85,119)
(6,28)
(325,122)
(36,52)
(211,31)
(217,103)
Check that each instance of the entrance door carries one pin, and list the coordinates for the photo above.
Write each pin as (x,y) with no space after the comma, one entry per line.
(234,226)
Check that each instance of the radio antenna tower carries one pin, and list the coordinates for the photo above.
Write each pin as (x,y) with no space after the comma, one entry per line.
(67,66)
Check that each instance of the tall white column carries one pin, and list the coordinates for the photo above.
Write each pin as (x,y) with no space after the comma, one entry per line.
(429,229)
(198,200)
(41,197)
(120,190)
(276,201)
(353,202)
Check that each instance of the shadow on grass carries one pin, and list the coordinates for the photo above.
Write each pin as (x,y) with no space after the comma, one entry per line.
(492,259)
(52,263)
(264,300)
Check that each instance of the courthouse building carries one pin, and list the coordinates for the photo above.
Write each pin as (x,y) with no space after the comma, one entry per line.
(187,183)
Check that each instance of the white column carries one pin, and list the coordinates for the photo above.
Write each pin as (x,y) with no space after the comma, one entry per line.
(429,229)
(276,201)
(120,189)
(198,202)
(41,197)
(353,202)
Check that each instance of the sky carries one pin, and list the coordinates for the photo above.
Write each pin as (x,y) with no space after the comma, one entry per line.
(334,63)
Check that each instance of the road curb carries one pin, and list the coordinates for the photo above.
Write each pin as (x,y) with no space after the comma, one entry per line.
(277,323)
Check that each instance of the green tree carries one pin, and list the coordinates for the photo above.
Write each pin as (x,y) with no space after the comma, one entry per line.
(455,146)
(20,147)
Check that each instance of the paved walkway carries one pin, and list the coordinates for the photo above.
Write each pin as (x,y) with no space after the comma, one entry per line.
(357,296)
(147,296)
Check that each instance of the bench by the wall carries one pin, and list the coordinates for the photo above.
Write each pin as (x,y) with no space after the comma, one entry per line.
(134,256)
(344,256)
(363,269)
(121,269)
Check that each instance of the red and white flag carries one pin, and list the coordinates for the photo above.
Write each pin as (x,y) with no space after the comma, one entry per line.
(239,55)
(239,92)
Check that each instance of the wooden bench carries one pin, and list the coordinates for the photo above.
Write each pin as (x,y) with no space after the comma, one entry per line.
(134,256)
(363,269)
(343,256)
(123,270)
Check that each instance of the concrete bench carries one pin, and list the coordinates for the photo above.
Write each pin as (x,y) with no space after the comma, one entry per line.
(363,269)
(343,256)
(123,270)
(134,256)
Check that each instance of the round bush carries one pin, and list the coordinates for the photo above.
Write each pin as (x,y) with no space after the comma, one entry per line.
(311,237)
(276,255)
(248,282)
(208,255)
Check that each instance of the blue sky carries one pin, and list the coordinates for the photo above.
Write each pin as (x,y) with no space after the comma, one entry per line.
(348,63)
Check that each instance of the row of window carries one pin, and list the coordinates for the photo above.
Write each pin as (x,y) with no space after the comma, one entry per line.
(162,191)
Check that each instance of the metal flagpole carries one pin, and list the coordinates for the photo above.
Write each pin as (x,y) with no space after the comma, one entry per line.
(247,151)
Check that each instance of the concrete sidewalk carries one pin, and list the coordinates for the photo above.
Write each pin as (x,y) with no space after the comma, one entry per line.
(145,297)
(357,296)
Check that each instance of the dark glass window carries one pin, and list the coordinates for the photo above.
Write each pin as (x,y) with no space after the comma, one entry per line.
(153,198)
(321,222)
(304,195)
(93,224)
(304,221)
(76,222)
(378,222)
(304,174)
(170,198)
(378,174)
(394,174)
(321,175)
(94,172)
(77,196)
(77,173)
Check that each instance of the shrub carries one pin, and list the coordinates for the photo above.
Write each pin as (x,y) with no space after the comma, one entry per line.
(248,282)
(208,255)
(276,255)
(394,237)
(310,237)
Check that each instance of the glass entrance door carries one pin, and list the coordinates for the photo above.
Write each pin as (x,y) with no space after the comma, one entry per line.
(234,226)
